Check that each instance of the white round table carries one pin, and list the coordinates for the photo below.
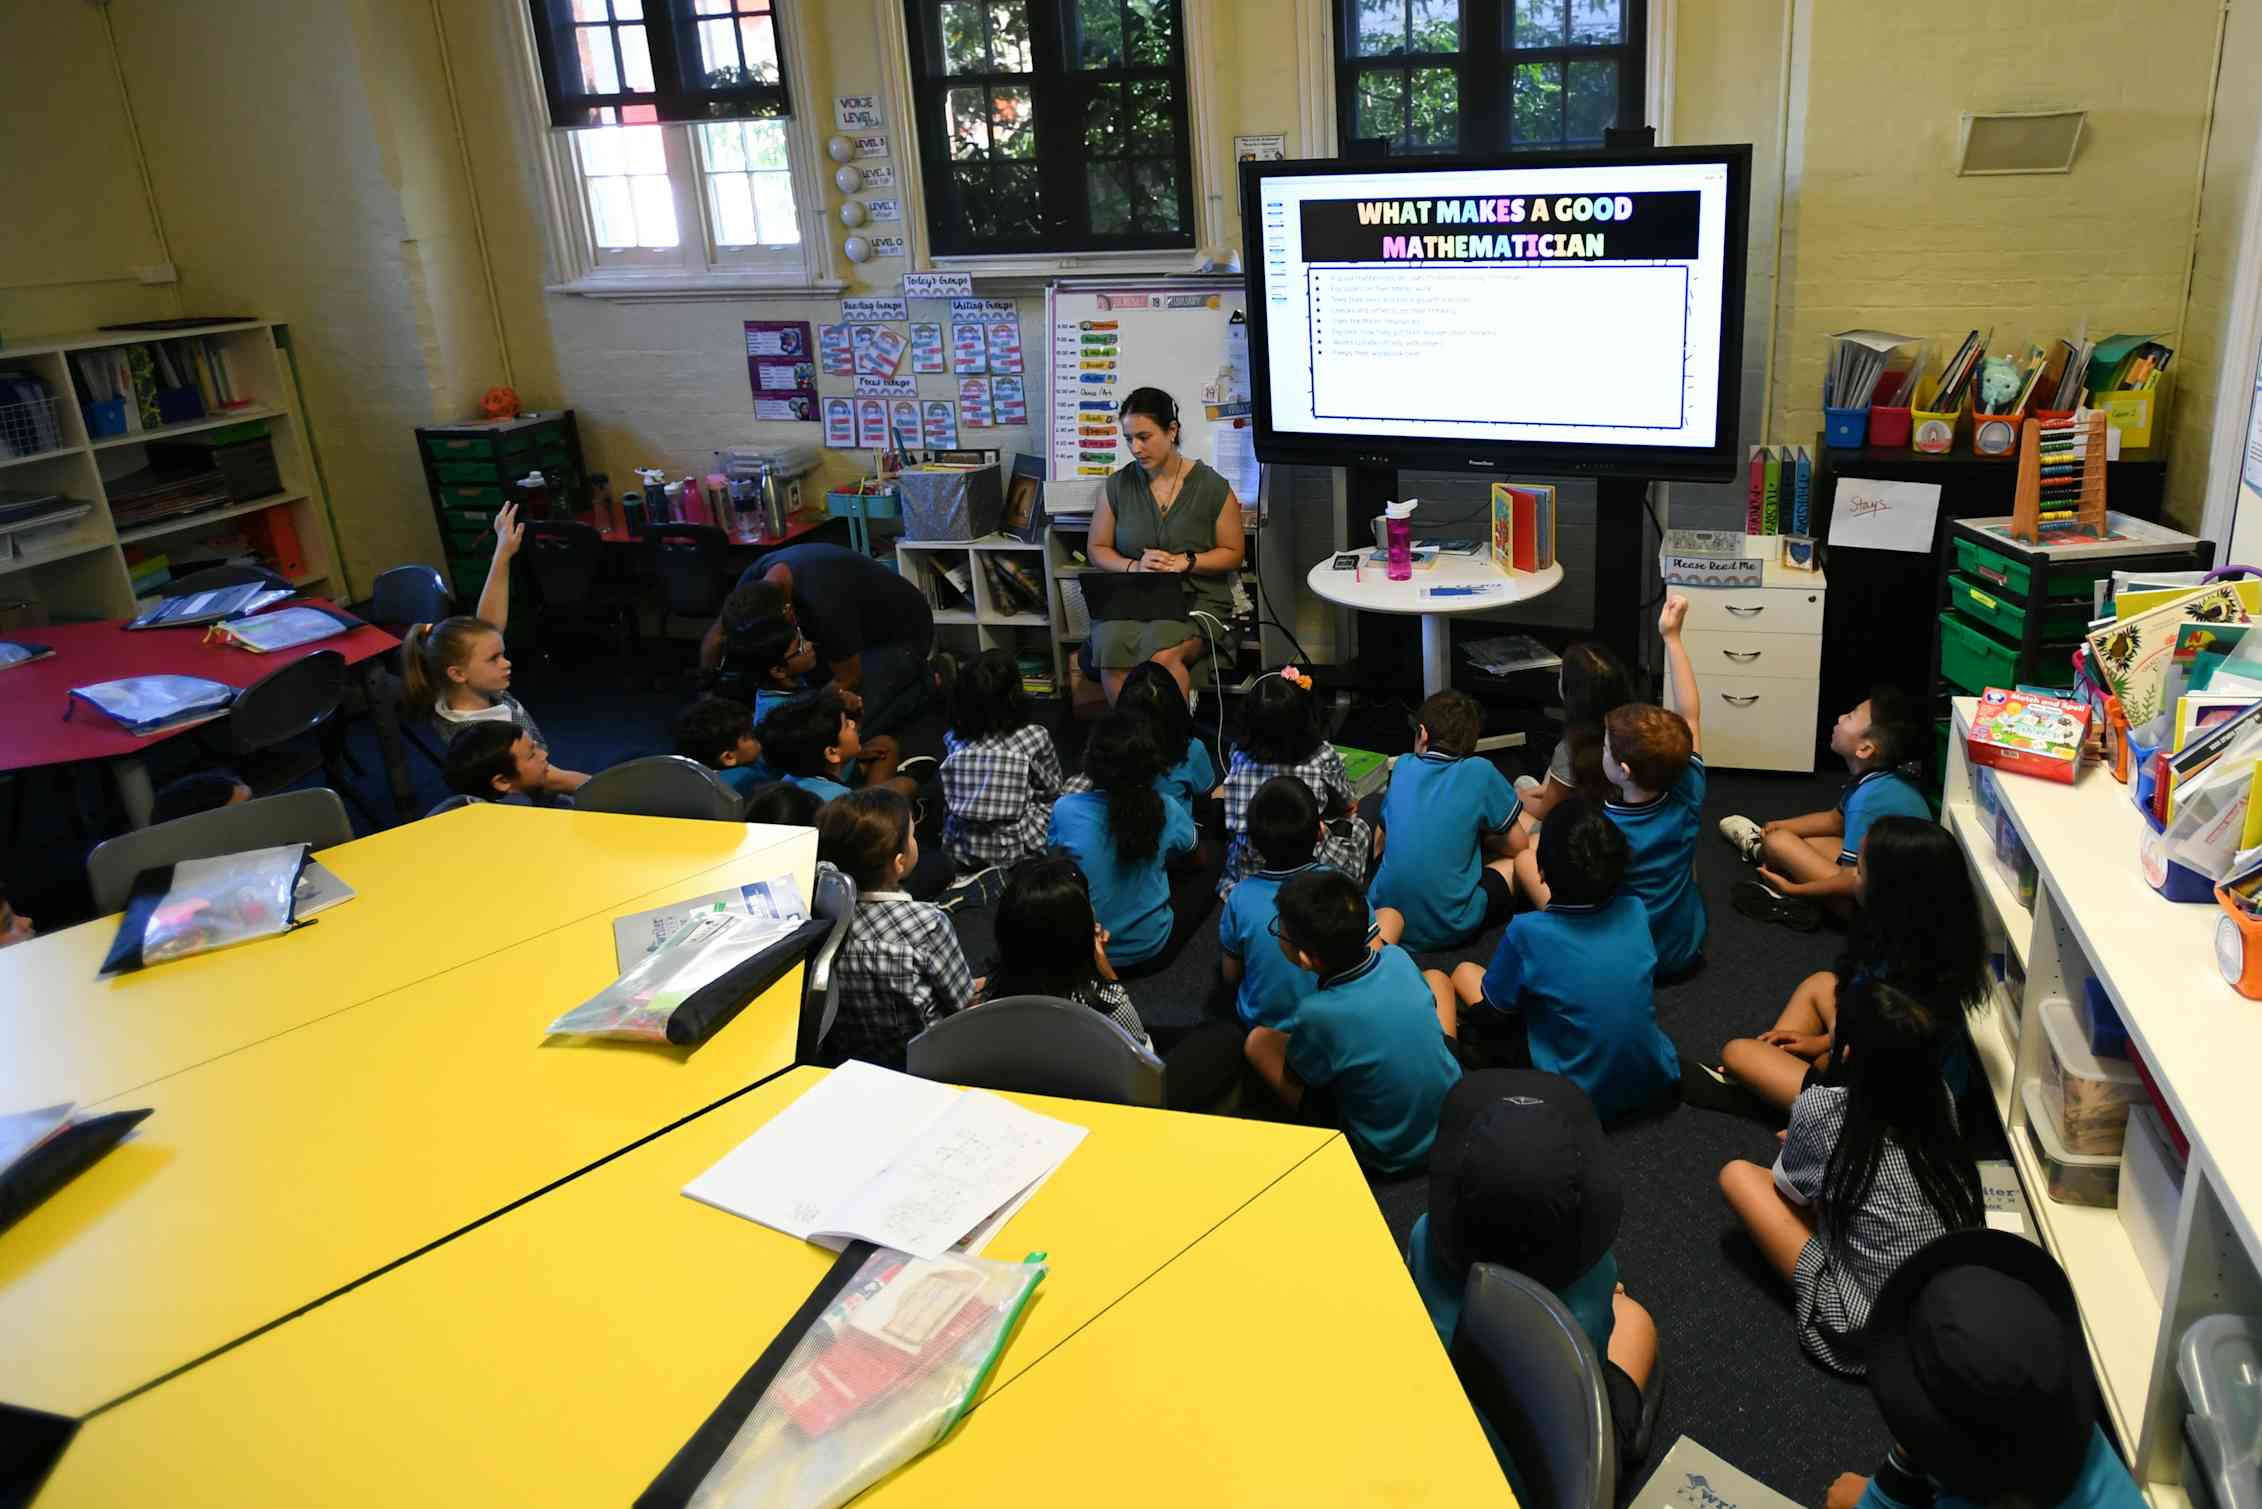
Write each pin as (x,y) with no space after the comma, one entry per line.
(1370,590)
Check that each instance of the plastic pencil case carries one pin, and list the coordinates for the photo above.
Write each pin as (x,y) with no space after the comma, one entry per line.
(2175,881)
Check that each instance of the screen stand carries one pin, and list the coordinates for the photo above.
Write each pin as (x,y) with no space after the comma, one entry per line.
(1621,563)
(1385,641)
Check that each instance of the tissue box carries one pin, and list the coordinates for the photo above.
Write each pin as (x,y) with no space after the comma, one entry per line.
(2031,734)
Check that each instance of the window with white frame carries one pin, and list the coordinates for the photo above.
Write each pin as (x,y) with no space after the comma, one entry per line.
(677,159)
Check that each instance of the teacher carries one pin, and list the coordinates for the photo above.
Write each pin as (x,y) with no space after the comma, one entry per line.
(1165,511)
(872,629)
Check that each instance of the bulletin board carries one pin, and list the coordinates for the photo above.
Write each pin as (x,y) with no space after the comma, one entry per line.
(1184,336)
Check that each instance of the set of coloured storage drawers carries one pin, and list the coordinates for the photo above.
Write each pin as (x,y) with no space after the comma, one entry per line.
(473,469)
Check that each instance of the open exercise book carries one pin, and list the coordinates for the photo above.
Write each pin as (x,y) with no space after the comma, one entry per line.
(873,1155)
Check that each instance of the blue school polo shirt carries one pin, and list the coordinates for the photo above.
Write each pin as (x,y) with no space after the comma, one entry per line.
(1436,813)
(1192,778)
(825,787)
(1270,984)
(2103,1484)
(1588,1297)
(1872,795)
(744,778)
(1661,836)
(1581,977)
(1131,898)
(1371,1035)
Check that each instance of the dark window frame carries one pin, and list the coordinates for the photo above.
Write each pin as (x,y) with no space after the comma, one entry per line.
(1060,99)
(1485,66)
(670,36)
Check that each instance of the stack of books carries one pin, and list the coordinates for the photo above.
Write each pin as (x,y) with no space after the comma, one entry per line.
(143,497)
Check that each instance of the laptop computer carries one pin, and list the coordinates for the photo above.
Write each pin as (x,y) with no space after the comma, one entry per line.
(1133,596)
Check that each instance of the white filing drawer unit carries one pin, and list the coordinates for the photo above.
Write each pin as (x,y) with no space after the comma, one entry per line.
(1758,658)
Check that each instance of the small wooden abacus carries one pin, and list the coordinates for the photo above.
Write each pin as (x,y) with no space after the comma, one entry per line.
(2061,487)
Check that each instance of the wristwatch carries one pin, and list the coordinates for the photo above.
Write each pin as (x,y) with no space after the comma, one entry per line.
(1191,556)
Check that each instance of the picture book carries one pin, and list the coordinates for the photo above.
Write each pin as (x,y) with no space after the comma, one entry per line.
(1523,526)
(2134,654)
(1690,1477)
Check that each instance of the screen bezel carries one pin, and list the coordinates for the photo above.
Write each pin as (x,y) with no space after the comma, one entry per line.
(1718,462)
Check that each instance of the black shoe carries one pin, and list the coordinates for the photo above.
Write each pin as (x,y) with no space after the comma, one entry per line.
(981,888)
(1708,1088)
(1759,901)
(920,768)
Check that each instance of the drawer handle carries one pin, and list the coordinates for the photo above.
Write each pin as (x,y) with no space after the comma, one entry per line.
(1735,701)
(1745,612)
(1742,657)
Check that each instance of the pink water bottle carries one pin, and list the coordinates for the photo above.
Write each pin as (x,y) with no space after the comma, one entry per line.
(1399,532)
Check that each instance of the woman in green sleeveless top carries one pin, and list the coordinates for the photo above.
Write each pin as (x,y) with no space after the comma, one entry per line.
(1165,511)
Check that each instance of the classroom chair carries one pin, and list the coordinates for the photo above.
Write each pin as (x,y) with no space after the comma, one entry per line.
(835,901)
(1039,1045)
(1532,1373)
(449,804)
(692,562)
(314,817)
(564,557)
(282,729)
(212,578)
(661,786)
(406,595)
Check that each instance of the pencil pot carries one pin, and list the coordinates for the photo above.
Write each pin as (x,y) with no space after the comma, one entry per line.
(2238,946)
(105,418)
(179,405)
(1888,426)
(2174,881)
(1844,429)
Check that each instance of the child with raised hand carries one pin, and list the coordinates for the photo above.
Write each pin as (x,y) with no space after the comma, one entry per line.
(455,673)
(1280,735)
(719,734)
(900,968)
(1873,1167)
(1285,828)
(1448,831)
(1050,944)
(1809,860)
(1521,1175)
(1917,930)
(1125,836)
(1371,1048)
(500,762)
(1579,972)
(1592,682)
(1000,771)
(1149,689)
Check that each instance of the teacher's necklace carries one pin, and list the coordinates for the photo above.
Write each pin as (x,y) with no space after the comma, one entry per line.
(1177,480)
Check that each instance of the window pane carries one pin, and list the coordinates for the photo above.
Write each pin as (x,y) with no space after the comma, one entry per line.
(600,151)
(1009,37)
(1436,111)
(977,201)
(731,198)
(725,147)
(1155,195)
(635,60)
(628,10)
(1381,28)
(1013,124)
(1539,23)
(1537,115)
(598,76)
(758,42)
(966,122)
(1151,128)
(1379,105)
(1152,23)
(773,209)
(1437,26)
(718,50)
(1595,23)
(1099,33)
(963,50)
(1103,122)
(643,150)
(712,7)
(1017,201)
(1593,100)
(590,10)
(1110,194)
(765,143)
(655,210)
(612,213)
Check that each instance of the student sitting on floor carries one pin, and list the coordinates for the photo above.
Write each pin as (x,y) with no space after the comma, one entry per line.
(1807,860)
(1592,682)
(1000,771)
(1285,827)
(1448,830)
(784,805)
(900,967)
(1050,944)
(1280,735)
(1917,930)
(811,740)
(1979,1364)
(1579,972)
(500,762)
(455,673)
(198,791)
(1372,1048)
(1872,1168)
(719,734)
(766,659)
(1150,690)
(1522,1176)
(1126,837)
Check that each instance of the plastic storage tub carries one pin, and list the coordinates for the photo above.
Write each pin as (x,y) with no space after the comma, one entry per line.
(2089,1097)
(2107,1037)
(2151,1194)
(2072,1178)
(2220,1363)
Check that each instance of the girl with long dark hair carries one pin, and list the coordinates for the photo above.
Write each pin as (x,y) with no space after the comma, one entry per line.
(1049,943)
(1125,835)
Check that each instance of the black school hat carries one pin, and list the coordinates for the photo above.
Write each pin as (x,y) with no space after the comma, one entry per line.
(1520,1176)
(1978,1365)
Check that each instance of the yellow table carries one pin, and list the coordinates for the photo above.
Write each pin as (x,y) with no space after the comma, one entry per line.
(561,1353)
(432,895)
(272,1176)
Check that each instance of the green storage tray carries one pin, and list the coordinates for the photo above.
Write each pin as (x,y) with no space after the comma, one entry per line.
(1972,660)
(2007,615)
(472,499)
(459,447)
(464,471)
(1993,569)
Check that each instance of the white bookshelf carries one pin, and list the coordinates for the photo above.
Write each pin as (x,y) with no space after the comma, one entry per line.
(987,624)
(78,571)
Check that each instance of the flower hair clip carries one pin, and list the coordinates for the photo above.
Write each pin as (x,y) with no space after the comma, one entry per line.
(1296,678)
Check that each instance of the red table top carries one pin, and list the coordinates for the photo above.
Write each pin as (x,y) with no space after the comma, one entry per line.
(796,526)
(32,730)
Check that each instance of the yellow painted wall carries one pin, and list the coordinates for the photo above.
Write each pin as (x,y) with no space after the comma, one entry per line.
(1886,235)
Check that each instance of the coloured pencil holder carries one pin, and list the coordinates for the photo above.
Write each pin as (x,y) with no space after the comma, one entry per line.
(2238,946)
(1888,426)
(2174,881)
(1845,429)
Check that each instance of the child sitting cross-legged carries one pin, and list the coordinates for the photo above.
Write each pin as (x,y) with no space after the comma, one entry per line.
(1448,830)
(1809,860)
(1000,771)
(1285,828)
(1522,1176)
(900,968)
(1050,944)
(811,740)
(766,657)
(1190,775)
(1579,972)
(719,734)
(1134,846)
(1280,735)
(1371,1048)
(500,762)
(784,805)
